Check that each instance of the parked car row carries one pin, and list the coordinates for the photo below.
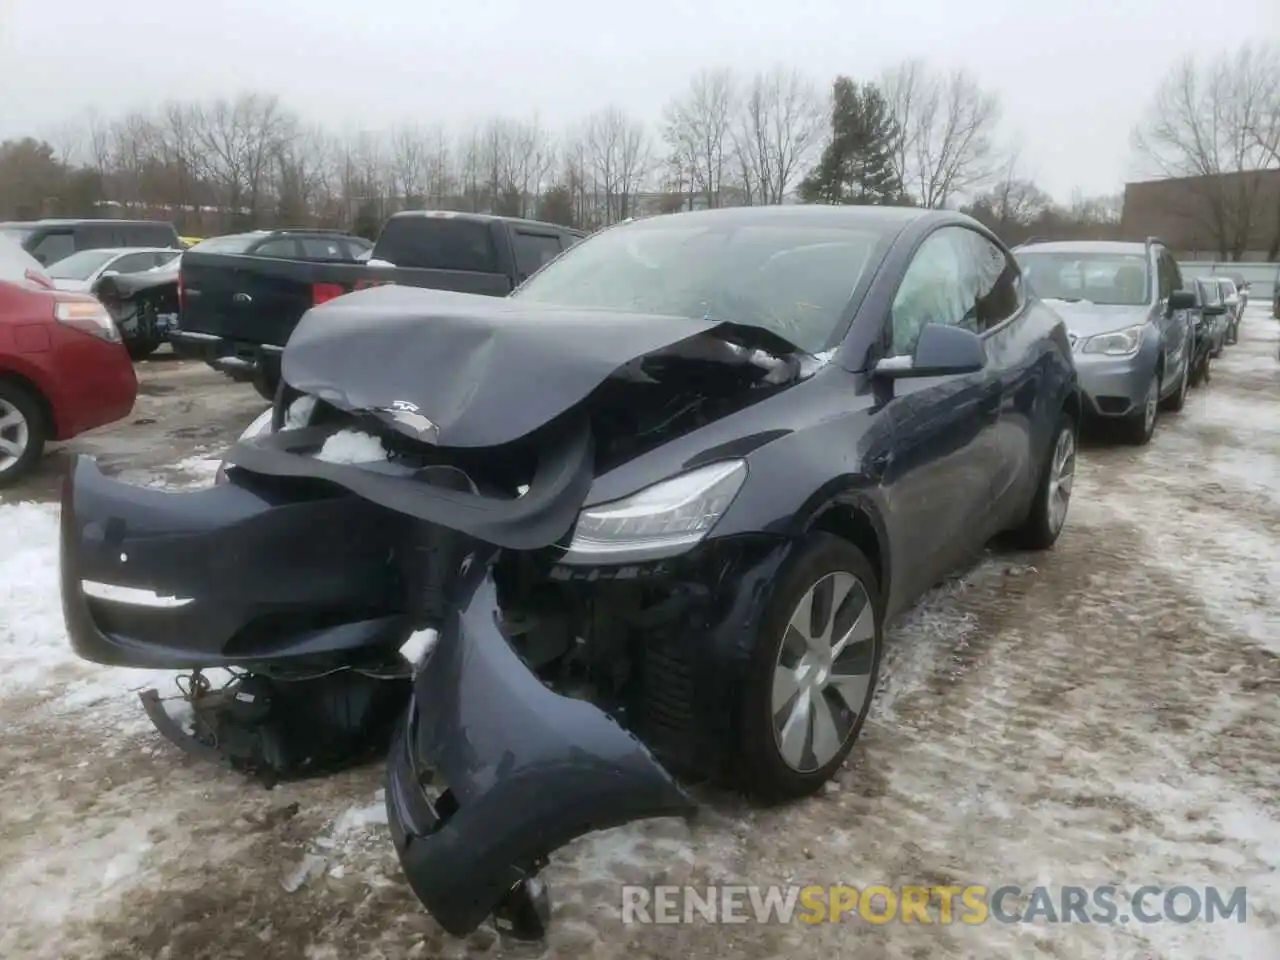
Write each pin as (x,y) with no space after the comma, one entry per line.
(1142,334)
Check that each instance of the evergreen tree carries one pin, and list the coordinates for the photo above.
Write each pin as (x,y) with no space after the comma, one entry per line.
(856,167)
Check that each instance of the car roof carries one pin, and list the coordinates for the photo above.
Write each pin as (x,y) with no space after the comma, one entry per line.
(126,250)
(73,221)
(483,218)
(813,215)
(1084,246)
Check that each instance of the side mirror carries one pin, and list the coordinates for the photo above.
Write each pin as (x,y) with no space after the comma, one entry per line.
(941,351)
(110,273)
(1182,300)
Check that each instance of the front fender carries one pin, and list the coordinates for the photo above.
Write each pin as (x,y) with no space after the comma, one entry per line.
(526,770)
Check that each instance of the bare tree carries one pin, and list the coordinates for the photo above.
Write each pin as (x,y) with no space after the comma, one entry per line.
(1211,122)
(618,153)
(946,127)
(240,140)
(698,128)
(780,126)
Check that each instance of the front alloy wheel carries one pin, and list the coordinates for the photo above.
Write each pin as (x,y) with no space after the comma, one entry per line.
(813,672)
(22,433)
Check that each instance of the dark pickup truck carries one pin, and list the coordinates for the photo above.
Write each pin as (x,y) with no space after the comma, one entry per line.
(237,311)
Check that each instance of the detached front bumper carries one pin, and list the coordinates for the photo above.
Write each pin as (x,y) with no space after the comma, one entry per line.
(524,770)
(221,576)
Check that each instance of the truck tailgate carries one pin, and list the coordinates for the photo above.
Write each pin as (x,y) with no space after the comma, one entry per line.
(255,299)
(260,300)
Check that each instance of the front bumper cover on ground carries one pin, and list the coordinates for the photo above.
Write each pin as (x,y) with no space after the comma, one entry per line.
(524,769)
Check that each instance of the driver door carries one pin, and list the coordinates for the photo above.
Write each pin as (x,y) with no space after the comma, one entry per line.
(945,447)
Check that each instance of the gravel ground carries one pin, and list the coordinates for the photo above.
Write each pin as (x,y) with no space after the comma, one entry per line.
(1106,713)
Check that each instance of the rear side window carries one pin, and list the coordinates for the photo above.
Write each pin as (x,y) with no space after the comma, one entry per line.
(438,243)
(532,250)
(284,247)
(134,262)
(232,243)
(52,247)
(322,248)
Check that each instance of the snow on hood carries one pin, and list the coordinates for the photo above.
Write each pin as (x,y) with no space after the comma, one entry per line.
(464,370)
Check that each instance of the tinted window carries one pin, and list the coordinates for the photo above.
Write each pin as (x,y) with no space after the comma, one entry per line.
(94,236)
(1117,279)
(52,247)
(324,248)
(532,250)
(231,243)
(134,262)
(438,243)
(356,247)
(792,279)
(1175,270)
(282,247)
(989,281)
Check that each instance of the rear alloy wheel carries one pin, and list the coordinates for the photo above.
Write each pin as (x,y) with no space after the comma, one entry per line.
(22,433)
(1053,496)
(1140,425)
(813,670)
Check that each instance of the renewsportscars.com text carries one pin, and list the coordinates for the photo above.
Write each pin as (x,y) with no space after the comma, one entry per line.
(973,904)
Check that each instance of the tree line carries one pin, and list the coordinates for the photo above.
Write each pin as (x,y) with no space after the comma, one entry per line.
(914,135)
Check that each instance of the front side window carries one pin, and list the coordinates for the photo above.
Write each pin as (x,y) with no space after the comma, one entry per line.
(792,279)
(1112,279)
(932,291)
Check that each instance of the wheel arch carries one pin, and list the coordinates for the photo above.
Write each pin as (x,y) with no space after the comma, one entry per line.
(32,389)
(851,516)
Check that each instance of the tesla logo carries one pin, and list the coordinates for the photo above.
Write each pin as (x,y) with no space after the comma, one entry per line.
(407,415)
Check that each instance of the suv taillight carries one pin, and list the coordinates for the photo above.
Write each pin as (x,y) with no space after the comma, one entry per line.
(324,292)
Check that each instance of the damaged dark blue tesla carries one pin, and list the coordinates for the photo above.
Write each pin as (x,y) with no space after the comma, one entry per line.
(654,508)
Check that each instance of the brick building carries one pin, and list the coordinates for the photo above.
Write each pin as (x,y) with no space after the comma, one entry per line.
(1233,216)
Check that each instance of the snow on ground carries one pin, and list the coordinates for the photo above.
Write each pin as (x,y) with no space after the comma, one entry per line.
(1106,713)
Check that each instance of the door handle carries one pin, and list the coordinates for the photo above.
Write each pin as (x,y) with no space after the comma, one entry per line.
(242,298)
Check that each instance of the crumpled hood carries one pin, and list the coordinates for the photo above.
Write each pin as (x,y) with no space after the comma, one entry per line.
(1086,319)
(462,370)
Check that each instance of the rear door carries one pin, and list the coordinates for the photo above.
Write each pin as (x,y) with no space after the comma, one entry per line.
(1175,326)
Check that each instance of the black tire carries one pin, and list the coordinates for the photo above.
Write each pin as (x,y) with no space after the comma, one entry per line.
(37,429)
(1139,427)
(1040,531)
(762,771)
(1178,399)
(141,349)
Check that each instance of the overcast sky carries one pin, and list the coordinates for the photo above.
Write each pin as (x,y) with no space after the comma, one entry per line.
(1073,75)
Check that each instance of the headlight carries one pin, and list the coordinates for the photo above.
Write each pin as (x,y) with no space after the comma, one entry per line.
(89,317)
(1122,343)
(659,521)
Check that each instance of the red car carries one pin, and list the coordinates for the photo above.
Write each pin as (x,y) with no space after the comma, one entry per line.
(63,367)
